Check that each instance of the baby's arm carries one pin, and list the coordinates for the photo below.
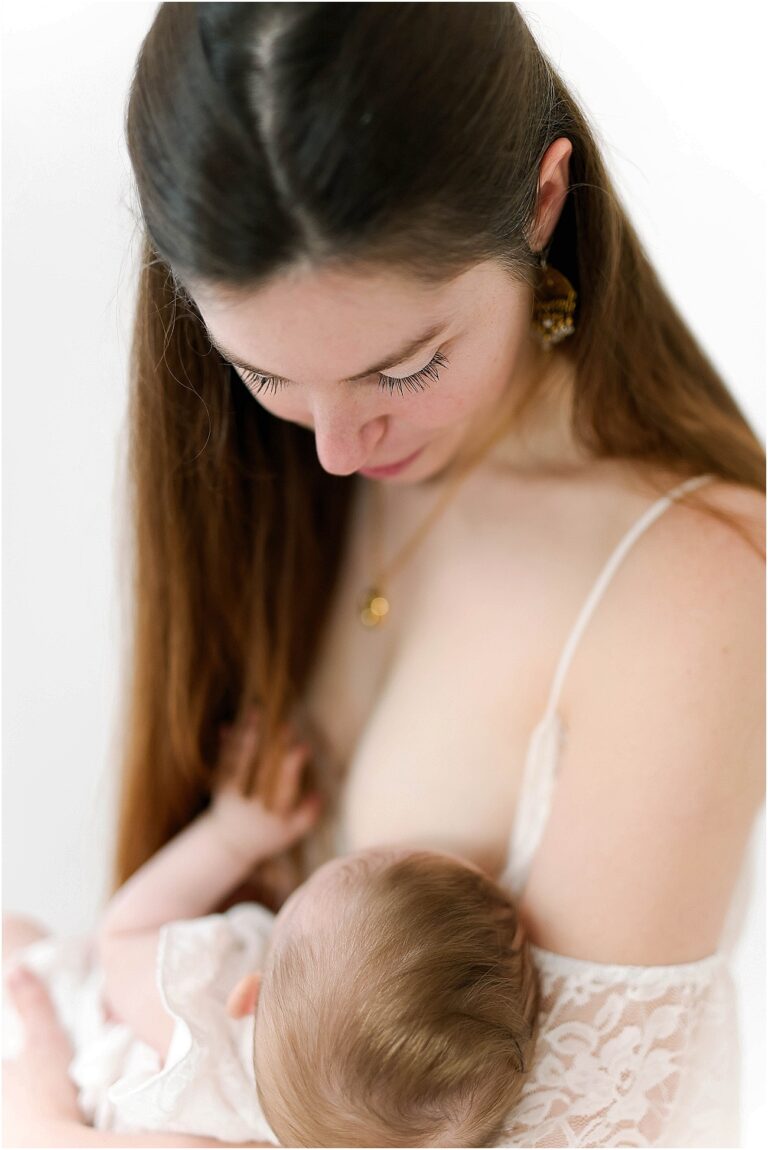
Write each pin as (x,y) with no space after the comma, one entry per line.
(190,876)
(185,879)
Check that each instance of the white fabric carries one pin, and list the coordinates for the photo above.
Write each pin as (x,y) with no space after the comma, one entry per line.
(627,1055)
(632,1056)
(206,1084)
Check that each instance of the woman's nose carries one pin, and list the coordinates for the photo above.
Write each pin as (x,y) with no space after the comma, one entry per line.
(343,443)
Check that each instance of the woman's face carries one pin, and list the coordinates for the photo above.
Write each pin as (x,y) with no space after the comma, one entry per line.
(322,341)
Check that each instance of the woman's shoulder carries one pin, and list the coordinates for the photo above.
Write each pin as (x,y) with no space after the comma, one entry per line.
(689,592)
(733,504)
(662,770)
(715,524)
(707,548)
(705,552)
(627,487)
(580,513)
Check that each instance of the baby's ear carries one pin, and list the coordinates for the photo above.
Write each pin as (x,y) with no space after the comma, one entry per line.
(242,1000)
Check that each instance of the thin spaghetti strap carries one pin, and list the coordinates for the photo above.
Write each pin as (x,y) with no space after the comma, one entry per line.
(636,530)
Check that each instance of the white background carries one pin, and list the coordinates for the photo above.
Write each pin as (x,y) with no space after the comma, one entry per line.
(672,90)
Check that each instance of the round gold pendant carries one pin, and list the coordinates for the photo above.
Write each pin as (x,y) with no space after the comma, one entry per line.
(373,608)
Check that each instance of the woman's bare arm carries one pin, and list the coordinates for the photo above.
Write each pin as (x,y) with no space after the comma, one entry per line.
(664,768)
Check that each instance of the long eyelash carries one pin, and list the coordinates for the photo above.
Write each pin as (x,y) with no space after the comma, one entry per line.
(415,382)
(418,381)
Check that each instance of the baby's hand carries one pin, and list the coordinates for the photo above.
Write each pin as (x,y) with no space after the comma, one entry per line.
(242,819)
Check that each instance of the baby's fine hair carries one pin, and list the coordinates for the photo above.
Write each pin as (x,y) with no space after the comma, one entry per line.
(410,1019)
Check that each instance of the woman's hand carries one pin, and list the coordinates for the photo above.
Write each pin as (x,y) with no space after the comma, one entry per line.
(39,1098)
(38,1094)
(243,819)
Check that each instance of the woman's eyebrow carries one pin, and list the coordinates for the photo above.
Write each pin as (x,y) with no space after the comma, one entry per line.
(404,352)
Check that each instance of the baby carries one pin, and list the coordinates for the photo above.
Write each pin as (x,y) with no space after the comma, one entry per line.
(391,1001)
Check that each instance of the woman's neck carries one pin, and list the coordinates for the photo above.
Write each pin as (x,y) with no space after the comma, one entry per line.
(536,412)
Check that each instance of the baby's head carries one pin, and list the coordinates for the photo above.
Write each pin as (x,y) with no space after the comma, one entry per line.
(397,1007)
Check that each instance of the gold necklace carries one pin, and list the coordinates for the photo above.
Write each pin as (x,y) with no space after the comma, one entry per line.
(374,606)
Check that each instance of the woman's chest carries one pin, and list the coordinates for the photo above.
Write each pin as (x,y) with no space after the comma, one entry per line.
(426,720)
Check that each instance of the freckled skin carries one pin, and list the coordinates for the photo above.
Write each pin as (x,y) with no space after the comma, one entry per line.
(316,328)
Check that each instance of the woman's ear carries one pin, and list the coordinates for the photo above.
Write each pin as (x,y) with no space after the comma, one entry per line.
(552,190)
(244,997)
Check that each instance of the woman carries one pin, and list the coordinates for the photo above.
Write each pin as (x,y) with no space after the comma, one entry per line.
(385,252)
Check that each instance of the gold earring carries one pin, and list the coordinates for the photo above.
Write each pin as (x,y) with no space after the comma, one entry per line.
(554,302)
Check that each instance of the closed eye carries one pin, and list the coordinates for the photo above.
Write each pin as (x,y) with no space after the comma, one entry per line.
(419,381)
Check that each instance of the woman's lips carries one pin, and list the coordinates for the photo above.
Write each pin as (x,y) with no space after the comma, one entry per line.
(392,469)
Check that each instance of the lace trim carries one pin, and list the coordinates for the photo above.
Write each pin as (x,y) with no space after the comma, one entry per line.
(632,1056)
(698,972)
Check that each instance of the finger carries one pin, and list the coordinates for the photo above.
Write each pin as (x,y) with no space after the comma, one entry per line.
(238,747)
(251,722)
(287,735)
(291,769)
(247,726)
(306,815)
(32,1001)
(248,731)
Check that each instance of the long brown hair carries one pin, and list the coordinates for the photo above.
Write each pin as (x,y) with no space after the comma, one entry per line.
(407,135)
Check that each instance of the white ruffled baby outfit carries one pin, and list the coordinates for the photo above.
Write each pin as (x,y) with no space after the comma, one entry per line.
(206,1084)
